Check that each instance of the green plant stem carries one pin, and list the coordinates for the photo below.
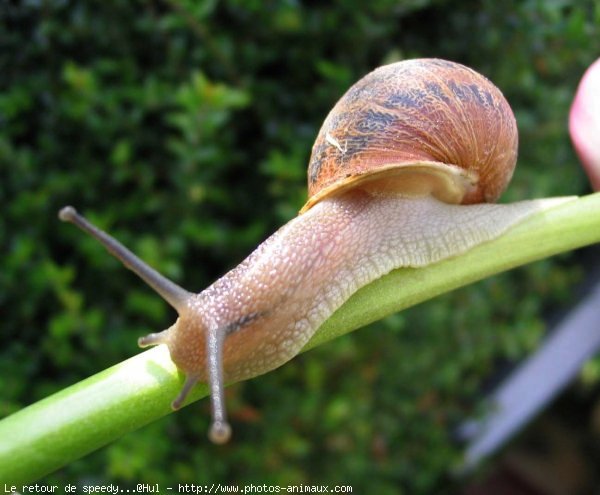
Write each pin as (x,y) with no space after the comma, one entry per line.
(84,417)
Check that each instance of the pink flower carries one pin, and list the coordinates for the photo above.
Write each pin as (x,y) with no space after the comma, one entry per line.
(584,123)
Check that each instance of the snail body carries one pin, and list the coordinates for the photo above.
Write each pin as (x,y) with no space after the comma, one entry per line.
(400,175)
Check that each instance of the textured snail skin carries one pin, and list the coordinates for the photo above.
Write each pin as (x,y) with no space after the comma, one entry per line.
(299,276)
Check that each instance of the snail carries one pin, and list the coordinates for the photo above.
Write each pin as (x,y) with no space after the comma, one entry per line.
(402,173)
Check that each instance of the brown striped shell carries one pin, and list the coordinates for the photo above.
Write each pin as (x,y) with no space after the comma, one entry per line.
(423,126)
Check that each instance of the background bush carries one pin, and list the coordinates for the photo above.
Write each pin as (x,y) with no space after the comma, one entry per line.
(184,128)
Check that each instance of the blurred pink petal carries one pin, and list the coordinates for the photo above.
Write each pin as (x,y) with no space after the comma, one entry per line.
(584,123)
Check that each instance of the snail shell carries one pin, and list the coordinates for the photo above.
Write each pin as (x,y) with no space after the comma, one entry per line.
(422,126)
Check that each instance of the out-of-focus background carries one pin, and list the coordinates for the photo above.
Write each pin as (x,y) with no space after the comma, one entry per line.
(184,128)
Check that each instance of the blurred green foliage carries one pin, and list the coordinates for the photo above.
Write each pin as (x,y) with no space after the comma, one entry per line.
(184,128)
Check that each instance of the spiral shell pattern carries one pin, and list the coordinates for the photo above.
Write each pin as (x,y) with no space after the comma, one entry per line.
(422,111)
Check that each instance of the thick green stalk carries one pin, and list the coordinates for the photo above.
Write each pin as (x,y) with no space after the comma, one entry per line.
(96,411)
